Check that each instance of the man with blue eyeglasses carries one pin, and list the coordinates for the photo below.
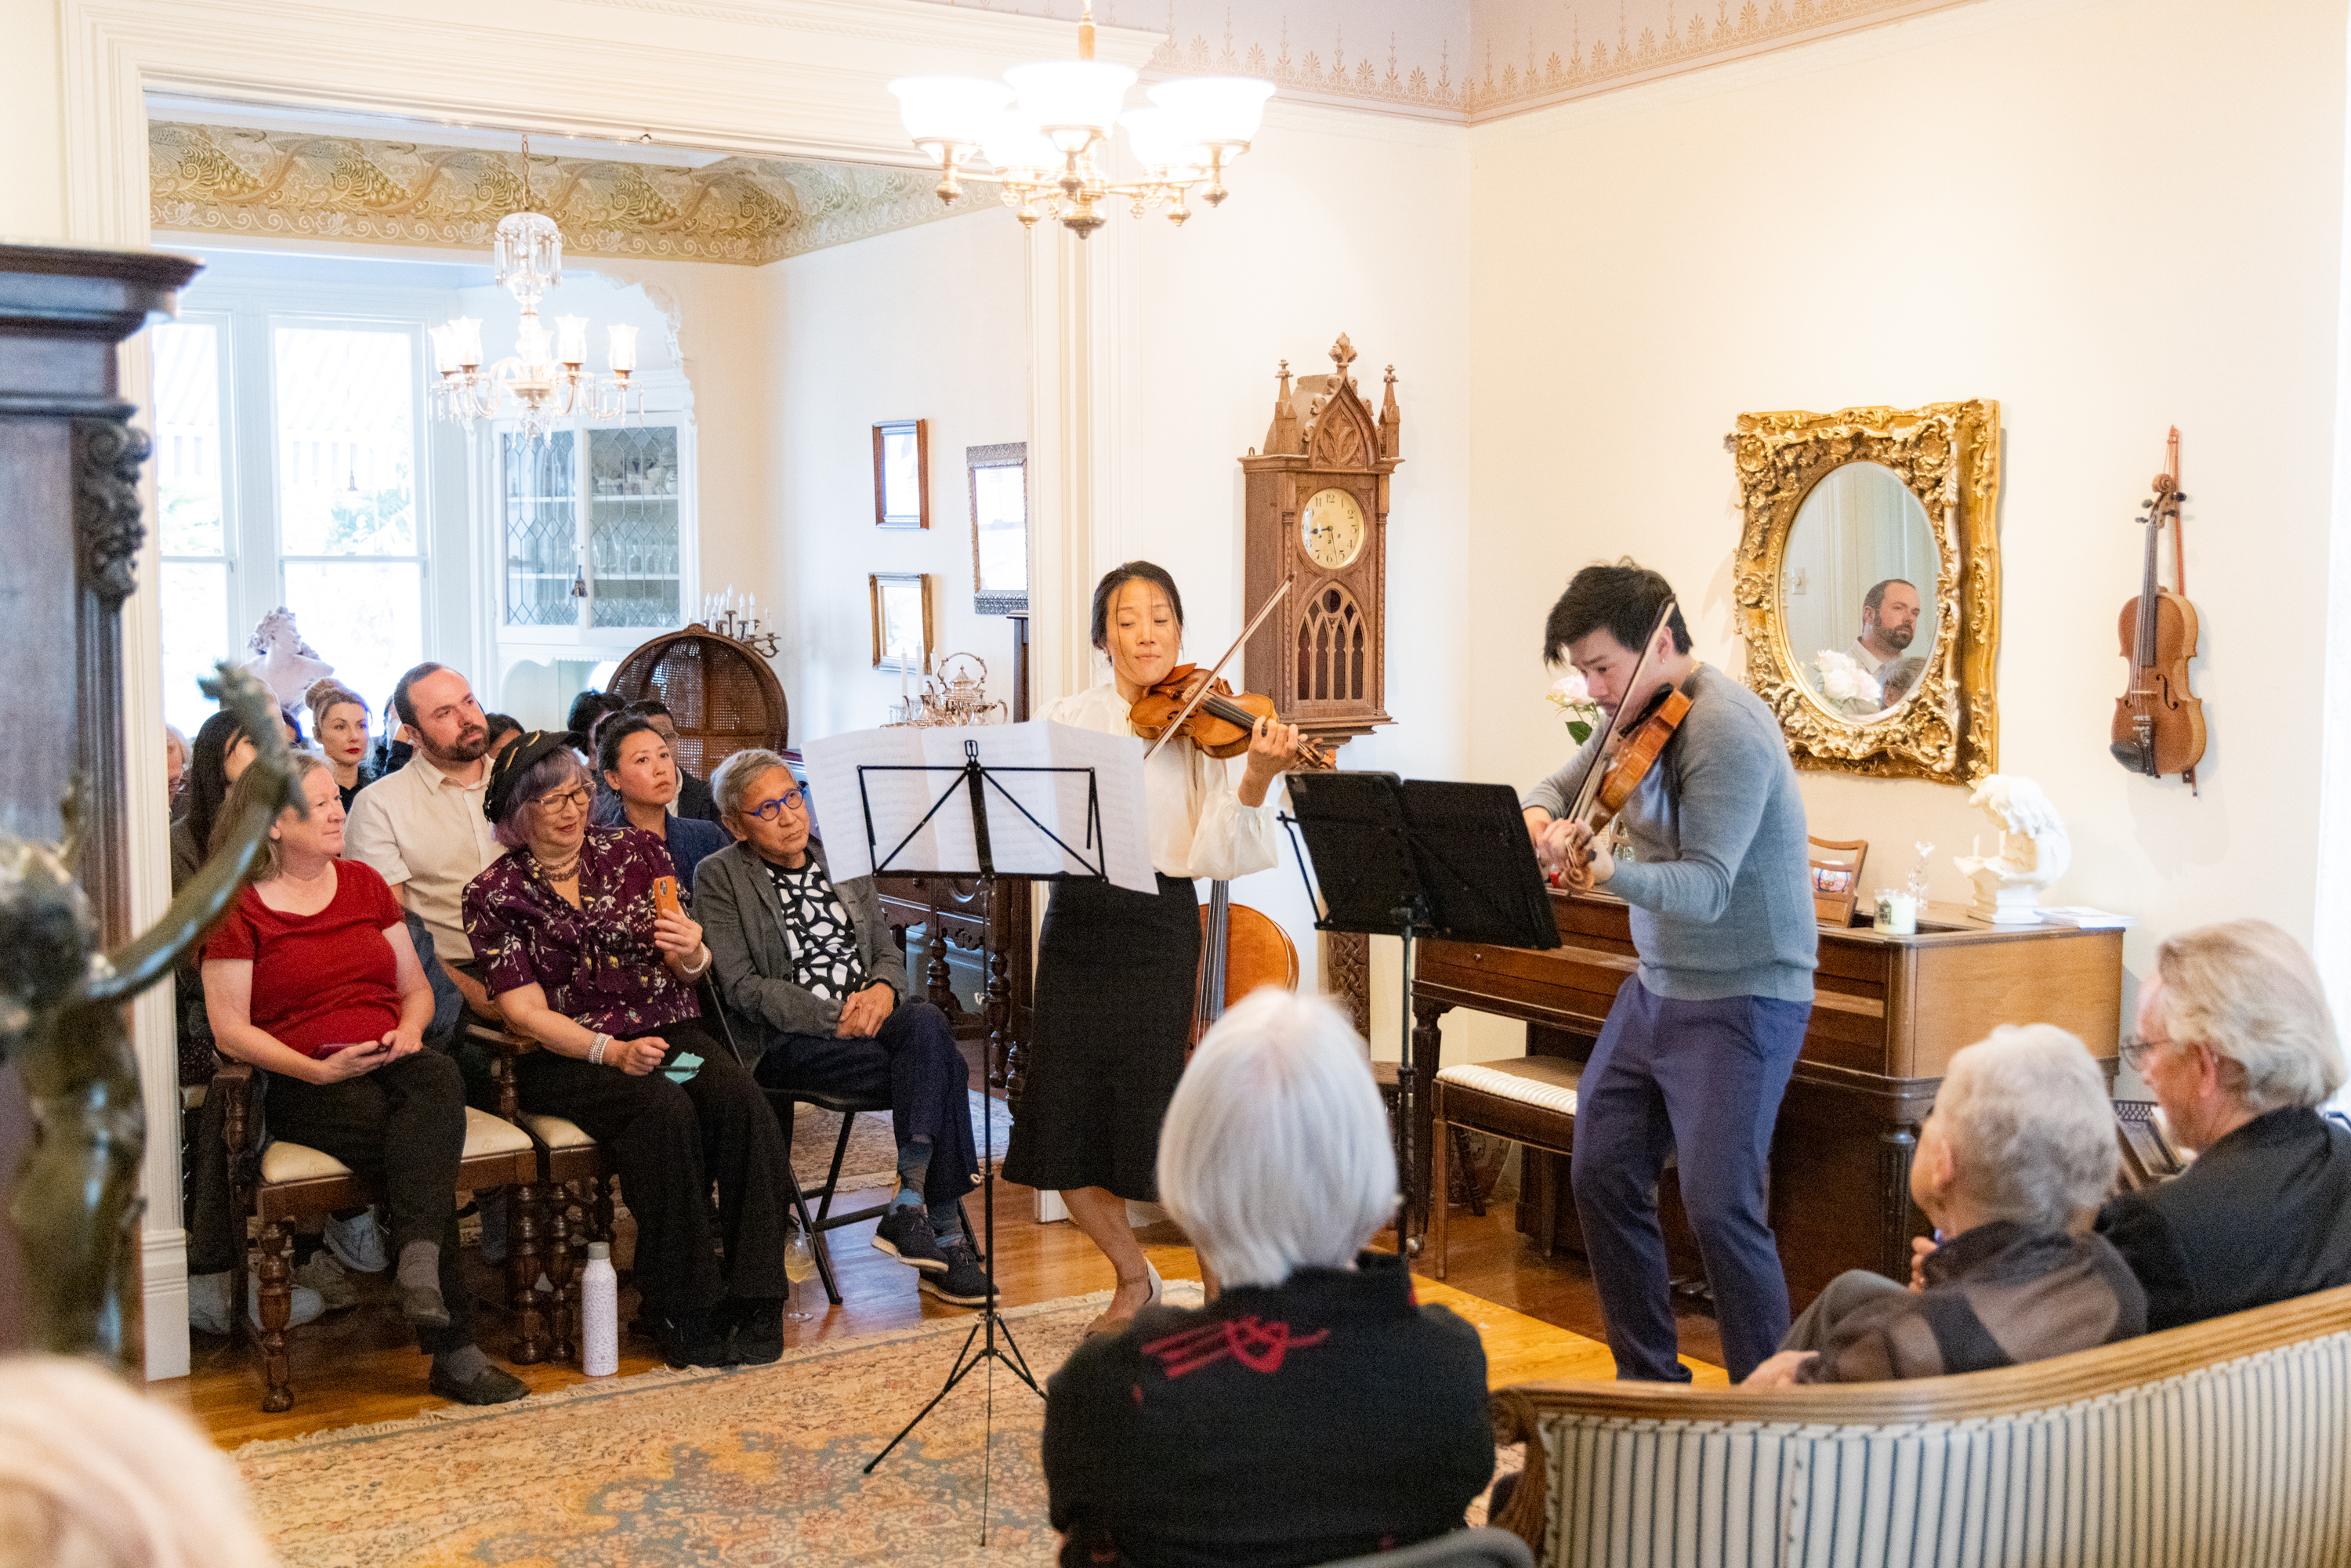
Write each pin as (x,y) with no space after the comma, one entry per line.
(809,970)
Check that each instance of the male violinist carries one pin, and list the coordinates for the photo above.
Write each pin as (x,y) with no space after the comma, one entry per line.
(1700,1041)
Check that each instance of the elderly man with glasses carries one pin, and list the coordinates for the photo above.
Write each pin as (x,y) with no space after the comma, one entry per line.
(810,970)
(2237,1043)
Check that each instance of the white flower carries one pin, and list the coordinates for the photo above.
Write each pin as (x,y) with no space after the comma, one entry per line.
(1845,683)
(1569,690)
(1573,698)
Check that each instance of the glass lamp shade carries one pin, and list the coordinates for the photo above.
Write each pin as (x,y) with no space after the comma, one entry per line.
(948,108)
(1072,102)
(1216,108)
(1011,143)
(571,339)
(624,349)
(1157,138)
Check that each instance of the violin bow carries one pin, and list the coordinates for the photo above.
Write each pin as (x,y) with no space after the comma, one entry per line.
(1593,775)
(1255,622)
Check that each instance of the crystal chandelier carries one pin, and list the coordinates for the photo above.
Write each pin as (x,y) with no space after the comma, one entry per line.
(542,382)
(1045,147)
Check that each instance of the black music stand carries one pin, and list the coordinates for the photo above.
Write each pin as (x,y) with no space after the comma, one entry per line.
(1408,858)
(972,781)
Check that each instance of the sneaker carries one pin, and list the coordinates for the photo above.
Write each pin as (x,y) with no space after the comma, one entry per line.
(358,1241)
(964,1283)
(326,1276)
(307,1304)
(693,1339)
(904,1233)
(758,1327)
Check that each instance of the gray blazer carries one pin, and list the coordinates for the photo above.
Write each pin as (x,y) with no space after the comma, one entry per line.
(736,902)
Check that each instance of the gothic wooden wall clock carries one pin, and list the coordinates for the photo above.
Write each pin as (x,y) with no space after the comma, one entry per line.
(1317,512)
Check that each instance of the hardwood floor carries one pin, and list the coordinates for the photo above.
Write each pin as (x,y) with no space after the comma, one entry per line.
(362,1367)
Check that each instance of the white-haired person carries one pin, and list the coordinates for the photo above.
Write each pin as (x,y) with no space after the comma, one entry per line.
(2237,1043)
(2011,1167)
(95,1475)
(1311,1411)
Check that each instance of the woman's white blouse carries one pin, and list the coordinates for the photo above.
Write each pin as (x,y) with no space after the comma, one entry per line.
(1198,825)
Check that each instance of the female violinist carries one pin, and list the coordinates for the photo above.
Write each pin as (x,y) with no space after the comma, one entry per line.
(1116,969)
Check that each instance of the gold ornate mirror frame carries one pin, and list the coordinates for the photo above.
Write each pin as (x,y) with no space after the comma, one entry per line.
(1948,454)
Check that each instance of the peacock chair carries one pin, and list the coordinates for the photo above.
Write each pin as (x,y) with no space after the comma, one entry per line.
(721,696)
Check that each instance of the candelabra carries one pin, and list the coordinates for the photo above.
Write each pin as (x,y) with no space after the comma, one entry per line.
(741,620)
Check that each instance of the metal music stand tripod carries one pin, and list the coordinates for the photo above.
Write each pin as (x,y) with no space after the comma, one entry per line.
(972,780)
(1408,858)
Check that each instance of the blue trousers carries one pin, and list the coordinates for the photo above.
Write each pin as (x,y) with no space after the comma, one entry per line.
(1701,1081)
(913,1063)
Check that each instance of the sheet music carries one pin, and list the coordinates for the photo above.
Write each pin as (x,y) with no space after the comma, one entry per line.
(892,778)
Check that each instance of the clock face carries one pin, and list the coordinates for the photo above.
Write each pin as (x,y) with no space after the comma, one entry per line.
(1330,529)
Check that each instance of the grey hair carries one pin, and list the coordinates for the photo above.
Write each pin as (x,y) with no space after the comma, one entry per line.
(2025,1111)
(2247,990)
(733,782)
(93,1473)
(557,769)
(1275,1155)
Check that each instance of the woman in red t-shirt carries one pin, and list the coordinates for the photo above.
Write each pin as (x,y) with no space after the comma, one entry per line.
(313,978)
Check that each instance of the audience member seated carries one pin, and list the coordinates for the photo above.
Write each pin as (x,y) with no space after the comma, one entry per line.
(641,777)
(589,709)
(221,753)
(339,723)
(813,972)
(311,979)
(2237,1044)
(421,828)
(2009,1166)
(582,961)
(694,796)
(95,1475)
(175,765)
(1339,1417)
(505,730)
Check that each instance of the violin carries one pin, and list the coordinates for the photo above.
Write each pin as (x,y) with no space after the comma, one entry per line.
(1241,949)
(1220,723)
(2158,722)
(1631,750)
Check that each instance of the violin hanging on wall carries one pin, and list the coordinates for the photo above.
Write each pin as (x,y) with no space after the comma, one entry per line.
(2158,722)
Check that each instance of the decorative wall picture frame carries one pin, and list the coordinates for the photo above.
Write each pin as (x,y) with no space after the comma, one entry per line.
(997,480)
(902,473)
(902,620)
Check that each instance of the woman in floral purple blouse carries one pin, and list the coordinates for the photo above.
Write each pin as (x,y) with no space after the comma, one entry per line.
(571,943)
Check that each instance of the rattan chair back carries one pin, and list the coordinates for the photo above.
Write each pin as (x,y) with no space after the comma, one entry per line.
(723,697)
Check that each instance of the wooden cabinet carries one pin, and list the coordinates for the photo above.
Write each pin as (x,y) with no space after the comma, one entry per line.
(1888,1014)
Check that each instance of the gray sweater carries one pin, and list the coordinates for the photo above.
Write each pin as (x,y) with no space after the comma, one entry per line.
(1721,890)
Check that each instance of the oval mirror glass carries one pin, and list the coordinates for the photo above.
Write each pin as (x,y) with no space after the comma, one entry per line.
(1857,591)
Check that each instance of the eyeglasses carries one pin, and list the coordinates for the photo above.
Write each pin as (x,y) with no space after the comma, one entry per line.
(768,811)
(578,798)
(2136,1046)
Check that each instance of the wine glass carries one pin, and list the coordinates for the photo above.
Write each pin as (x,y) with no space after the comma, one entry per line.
(799,1266)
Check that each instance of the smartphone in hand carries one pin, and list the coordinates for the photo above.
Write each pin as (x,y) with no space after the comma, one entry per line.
(665,899)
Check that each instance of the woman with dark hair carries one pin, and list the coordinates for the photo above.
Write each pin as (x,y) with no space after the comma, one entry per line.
(573,942)
(588,709)
(220,752)
(641,774)
(313,978)
(1116,969)
(505,730)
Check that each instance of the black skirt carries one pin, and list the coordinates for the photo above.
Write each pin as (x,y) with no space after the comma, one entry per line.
(1116,972)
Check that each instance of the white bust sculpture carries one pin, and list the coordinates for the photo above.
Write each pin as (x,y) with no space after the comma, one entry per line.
(2033,852)
(287,665)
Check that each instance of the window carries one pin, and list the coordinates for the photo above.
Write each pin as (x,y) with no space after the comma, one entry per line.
(287,470)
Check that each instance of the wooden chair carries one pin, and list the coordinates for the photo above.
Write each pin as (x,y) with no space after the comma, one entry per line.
(721,696)
(1836,879)
(1528,1100)
(283,1184)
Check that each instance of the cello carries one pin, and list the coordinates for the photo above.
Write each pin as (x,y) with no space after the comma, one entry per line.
(2159,723)
(1241,949)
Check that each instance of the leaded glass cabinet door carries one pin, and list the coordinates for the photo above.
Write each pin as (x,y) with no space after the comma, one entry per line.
(539,492)
(634,492)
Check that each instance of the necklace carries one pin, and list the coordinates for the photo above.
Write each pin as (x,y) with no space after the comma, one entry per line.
(552,873)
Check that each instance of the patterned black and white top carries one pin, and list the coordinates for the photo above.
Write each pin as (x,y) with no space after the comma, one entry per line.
(818,932)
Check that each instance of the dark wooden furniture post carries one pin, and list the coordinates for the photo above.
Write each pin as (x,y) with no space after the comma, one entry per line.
(69,534)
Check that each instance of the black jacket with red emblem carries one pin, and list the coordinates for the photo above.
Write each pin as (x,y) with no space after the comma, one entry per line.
(1325,1417)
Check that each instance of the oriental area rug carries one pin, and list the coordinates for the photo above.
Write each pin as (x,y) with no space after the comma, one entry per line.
(753,1466)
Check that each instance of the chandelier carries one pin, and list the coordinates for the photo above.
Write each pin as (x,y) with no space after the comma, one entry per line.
(1047,146)
(542,382)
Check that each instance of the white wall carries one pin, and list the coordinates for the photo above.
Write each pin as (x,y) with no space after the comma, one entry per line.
(1972,204)
(928,323)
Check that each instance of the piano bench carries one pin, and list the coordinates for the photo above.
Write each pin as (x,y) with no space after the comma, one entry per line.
(1528,1100)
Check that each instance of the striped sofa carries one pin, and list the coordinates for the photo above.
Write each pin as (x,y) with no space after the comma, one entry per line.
(2224,1443)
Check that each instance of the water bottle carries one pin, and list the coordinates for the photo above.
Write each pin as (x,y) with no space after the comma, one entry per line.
(600,1313)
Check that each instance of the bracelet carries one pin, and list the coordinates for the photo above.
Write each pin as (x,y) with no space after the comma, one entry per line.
(703,968)
(596,1051)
